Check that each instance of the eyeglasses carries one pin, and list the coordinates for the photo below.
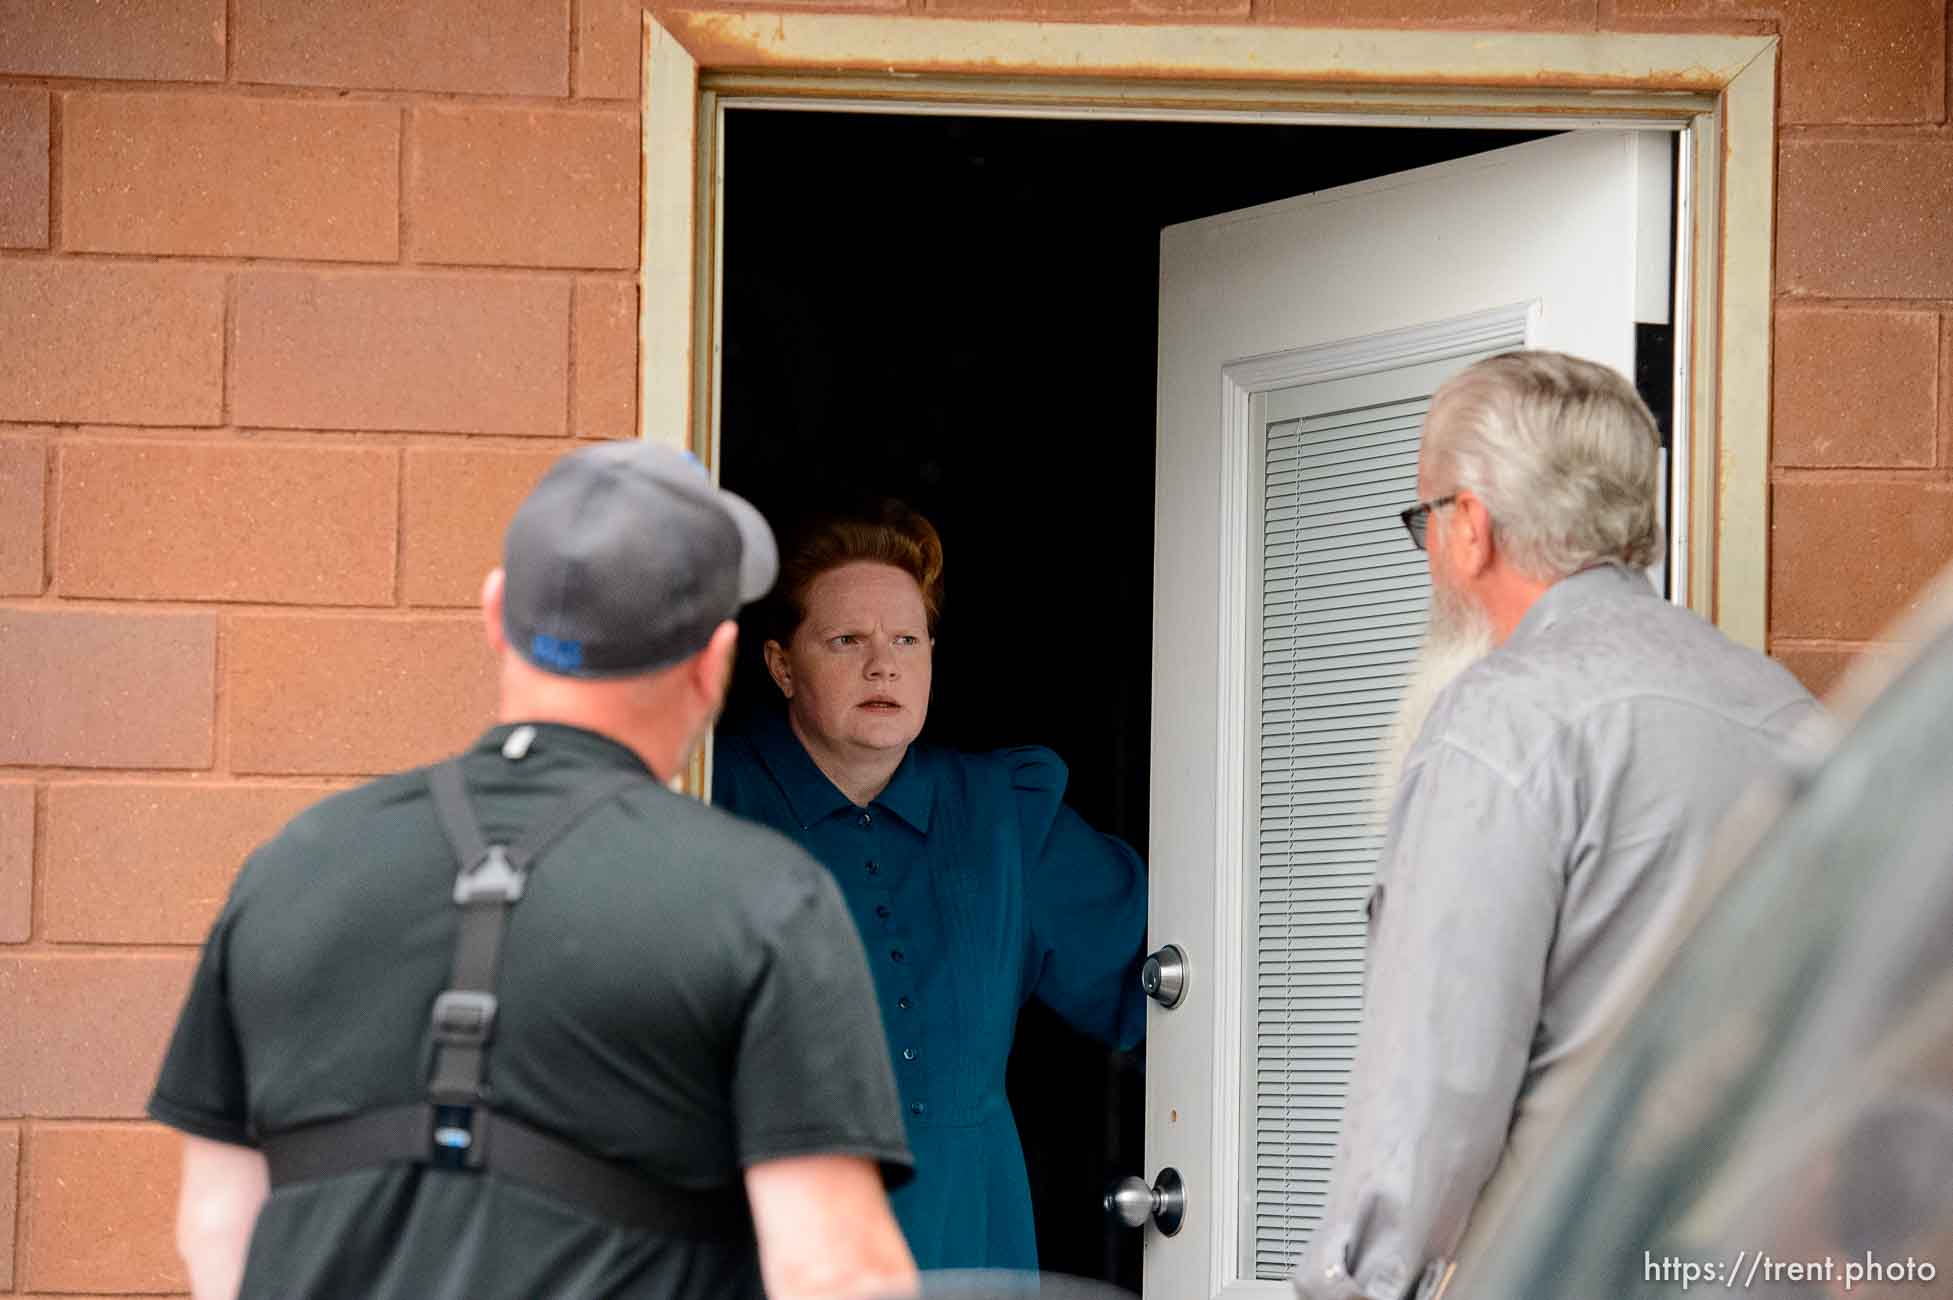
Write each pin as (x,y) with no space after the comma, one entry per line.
(1417,519)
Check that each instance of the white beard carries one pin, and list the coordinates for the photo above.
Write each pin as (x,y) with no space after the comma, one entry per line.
(1459,635)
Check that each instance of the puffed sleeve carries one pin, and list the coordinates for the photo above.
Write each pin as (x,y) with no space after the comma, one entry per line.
(1085,899)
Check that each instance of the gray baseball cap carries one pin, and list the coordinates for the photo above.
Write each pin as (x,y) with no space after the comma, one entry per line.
(625,558)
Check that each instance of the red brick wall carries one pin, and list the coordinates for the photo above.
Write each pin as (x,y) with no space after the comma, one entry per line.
(297,297)
(296,301)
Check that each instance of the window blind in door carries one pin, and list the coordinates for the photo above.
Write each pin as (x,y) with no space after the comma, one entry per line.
(1343,601)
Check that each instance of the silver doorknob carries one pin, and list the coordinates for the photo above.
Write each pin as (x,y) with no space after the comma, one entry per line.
(1164,976)
(1132,1202)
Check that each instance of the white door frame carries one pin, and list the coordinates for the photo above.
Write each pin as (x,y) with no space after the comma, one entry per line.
(1719,91)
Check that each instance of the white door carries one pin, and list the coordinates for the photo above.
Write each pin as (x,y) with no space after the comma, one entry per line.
(1299,341)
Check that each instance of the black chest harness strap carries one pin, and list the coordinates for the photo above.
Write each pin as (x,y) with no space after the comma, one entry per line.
(457,1127)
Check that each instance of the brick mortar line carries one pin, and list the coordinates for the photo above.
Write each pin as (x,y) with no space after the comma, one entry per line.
(184,605)
(230,41)
(400,529)
(12,1260)
(432,270)
(227,353)
(1795,299)
(1928,475)
(591,105)
(220,702)
(571,386)
(66,431)
(23,1217)
(246,777)
(94,949)
(575,45)
(1828,643)
(56,170)
(84,949)
(1943,393)
(405,141)
(287,439)
(51,507)
(37,865)
(1660,26)
(50,500)
(171,778)
(1927,306)
(1859,132)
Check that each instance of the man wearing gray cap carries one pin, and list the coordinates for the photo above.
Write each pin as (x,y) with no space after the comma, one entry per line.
(526,1023)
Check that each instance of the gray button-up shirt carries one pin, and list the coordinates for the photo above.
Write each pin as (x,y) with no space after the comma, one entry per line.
(1558,800)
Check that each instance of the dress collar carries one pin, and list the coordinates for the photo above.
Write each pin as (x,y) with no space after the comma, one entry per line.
(813,798)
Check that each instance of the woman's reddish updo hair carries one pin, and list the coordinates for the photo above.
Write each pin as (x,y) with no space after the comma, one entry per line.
(888,532)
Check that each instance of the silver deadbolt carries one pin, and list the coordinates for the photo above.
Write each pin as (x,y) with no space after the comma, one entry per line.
(1132,1202)
(1164,976)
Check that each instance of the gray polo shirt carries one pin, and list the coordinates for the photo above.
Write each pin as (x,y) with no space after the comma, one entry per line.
(1556,804)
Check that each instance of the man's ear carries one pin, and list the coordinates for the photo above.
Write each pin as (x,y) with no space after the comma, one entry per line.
(491,611)
(1472,536)
(714,663)
(778,667)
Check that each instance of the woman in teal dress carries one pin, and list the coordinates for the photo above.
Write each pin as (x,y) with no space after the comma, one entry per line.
(974,887)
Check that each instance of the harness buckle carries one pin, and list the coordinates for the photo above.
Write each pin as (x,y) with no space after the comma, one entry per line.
(453,1143)
(464,1017)
(492,877)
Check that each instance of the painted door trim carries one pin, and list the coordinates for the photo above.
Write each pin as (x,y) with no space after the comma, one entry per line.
(1720,89)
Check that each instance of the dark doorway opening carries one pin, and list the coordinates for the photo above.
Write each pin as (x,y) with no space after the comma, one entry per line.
(962,312)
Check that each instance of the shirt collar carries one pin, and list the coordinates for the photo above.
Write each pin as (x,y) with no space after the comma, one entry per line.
(813,798)
(562,738)
(1603,580)
(910,794)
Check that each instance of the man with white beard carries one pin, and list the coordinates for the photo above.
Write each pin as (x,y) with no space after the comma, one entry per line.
(1451,645)
(1556,799)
